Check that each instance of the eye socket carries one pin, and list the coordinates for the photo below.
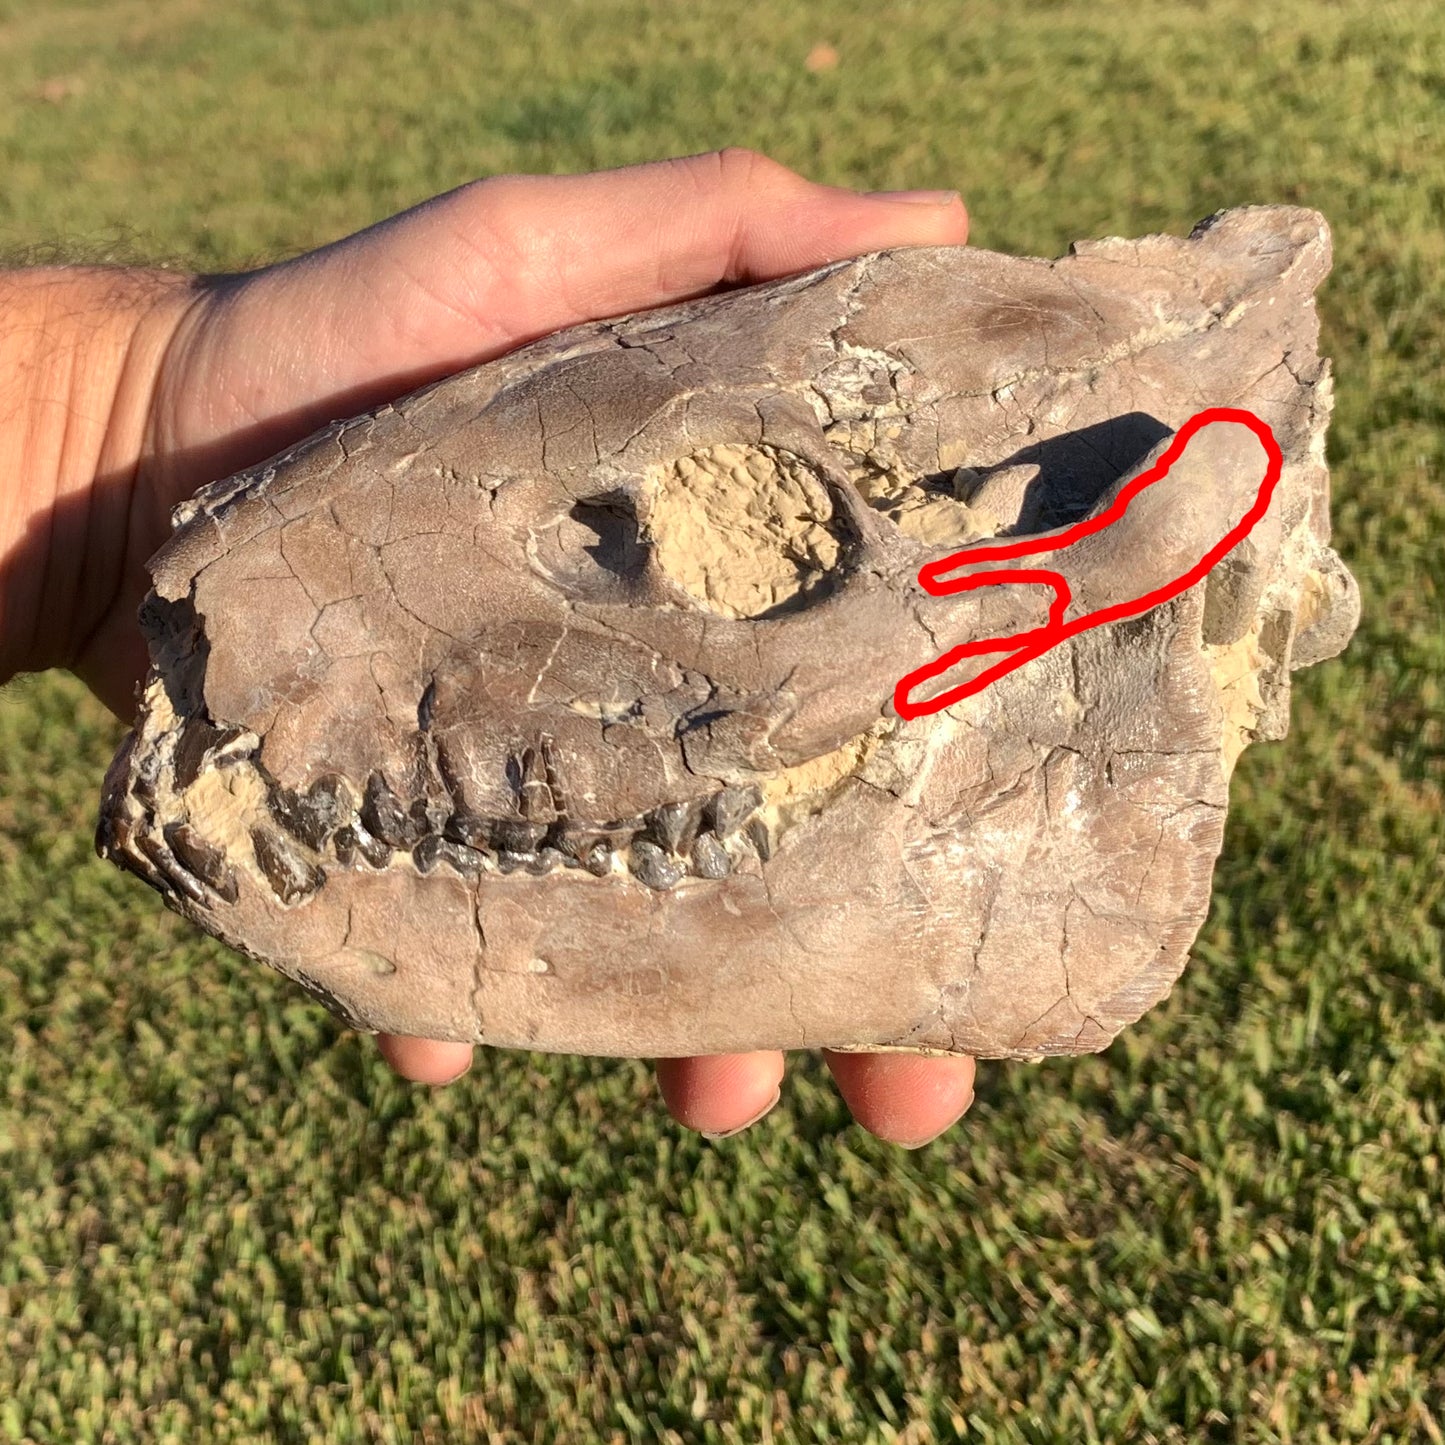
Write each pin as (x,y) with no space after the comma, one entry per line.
(748,531)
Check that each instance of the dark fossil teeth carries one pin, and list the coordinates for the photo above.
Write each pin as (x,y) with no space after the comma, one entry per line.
(198,738)
(469,829)
(315,815)
(547,860)
(202,859)
(291,877)
(511,835)
(731,806)
(427,854)
(116,839)
(385,817)
(510,862)
(761,837)
(354,839)
(675,825)
(457,856)
(650,865)
(177,876)
(709,858)
(598,860)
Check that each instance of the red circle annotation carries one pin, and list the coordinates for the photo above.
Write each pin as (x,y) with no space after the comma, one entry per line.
(1026,646)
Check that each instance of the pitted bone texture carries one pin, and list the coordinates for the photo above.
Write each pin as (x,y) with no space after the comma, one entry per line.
(551,706)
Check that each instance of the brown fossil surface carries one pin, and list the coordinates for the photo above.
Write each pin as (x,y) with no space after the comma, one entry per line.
(552,706)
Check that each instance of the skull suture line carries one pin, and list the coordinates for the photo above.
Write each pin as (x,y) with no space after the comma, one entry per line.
(551,705)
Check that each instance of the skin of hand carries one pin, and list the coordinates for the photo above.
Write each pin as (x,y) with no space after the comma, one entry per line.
(123,391)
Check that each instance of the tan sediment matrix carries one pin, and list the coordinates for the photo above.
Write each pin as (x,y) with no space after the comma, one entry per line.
(744,530)
(565,720)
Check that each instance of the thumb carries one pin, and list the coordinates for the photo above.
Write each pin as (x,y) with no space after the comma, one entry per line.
(482,269)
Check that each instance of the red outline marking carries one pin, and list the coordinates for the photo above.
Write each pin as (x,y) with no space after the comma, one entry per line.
(1026,646)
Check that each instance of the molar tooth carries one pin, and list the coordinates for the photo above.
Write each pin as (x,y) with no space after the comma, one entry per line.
(511,835)
(598,860)
(709,858)
(385,817)
(469,862)
(457,856)
(469,829)
(731,806)
(650,865)
(675,825)
(547,860)
(207,862)
(290,875)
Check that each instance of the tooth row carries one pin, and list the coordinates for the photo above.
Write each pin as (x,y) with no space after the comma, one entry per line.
(705,838)
(702,838)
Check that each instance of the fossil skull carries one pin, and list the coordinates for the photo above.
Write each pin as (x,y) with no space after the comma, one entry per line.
(552,706)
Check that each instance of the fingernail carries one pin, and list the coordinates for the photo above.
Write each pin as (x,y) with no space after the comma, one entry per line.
(919,1143)
(917,198)
(460,1074)
(762,1113)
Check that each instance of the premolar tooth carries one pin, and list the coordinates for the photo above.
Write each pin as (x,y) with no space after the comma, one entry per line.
(650,865)
(385,817)
(675,825)
(730,807)
(314,815)
(426,854)
(354,839)
(709,858)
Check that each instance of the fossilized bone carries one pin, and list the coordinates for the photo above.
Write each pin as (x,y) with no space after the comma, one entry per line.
(552,706)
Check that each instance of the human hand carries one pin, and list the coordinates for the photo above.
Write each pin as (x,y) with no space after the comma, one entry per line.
(222,373)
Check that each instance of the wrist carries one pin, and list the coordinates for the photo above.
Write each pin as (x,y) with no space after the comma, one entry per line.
(81,349)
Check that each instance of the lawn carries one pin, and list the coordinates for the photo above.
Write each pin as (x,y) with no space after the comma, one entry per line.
(223,1219)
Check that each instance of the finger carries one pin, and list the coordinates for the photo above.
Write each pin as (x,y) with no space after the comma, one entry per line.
(905,1099)
(720,1094)
(533,253)
(425,1061)
(478,271)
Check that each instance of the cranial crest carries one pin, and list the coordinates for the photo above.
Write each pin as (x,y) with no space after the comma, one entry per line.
(553,705)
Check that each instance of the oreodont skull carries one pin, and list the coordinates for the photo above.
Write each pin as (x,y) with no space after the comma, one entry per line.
(553,705)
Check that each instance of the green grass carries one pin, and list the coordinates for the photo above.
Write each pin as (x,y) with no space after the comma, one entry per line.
(222,1219)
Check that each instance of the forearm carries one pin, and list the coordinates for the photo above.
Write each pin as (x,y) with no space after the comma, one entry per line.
(80,351)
